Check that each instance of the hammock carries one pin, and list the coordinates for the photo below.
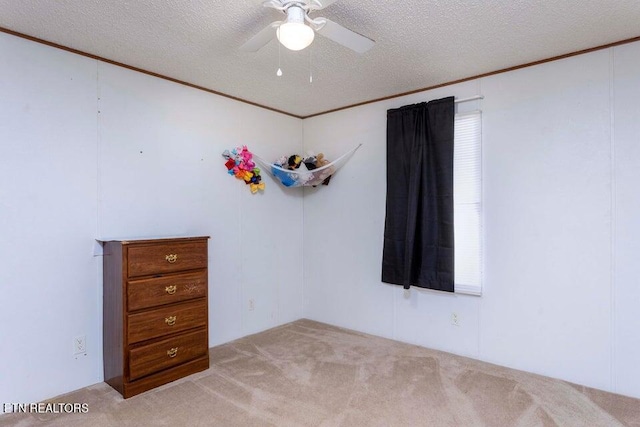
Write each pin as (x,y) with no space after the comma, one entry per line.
(303,177)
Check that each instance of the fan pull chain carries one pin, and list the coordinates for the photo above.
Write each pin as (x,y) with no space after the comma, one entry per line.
(310,69)
(279,72)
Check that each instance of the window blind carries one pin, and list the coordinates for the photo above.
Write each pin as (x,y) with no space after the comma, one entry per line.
(467,195)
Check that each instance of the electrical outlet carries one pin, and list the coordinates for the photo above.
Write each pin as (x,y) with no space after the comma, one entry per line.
(80,344)
(455,320)
(252,305)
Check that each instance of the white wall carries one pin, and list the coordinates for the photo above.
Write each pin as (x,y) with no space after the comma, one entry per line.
(161,172)
(49,288)
(91,150)
(626,237)
(561,167)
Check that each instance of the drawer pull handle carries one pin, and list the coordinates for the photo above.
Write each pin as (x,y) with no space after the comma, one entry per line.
(171,289)
(172,352)
(171,258)
(171,320)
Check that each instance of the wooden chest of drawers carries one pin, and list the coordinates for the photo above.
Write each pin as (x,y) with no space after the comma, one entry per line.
(155,312)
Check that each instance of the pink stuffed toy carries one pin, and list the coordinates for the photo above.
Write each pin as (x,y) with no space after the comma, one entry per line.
(241,165)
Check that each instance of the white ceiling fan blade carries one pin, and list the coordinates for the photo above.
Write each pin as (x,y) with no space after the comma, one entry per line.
(345,37)
(256,42)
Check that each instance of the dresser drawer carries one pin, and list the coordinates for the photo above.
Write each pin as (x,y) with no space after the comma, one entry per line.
(166,320)
(166,353)
(156,291)
(166,257)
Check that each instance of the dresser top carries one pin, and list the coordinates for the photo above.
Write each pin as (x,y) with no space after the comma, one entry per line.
(126,241)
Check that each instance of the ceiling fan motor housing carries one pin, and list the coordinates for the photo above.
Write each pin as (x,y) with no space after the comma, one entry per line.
(295,13)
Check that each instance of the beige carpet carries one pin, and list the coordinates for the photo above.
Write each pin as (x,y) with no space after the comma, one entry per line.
(310,374)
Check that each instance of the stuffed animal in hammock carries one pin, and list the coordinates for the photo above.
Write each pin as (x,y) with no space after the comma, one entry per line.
(294,162)
(310,162)
(325,175)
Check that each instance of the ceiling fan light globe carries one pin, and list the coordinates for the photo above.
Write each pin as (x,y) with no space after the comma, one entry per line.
(295,35)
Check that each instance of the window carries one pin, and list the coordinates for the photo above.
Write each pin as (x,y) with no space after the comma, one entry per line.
(467,194)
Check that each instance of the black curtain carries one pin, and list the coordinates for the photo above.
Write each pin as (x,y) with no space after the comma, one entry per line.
(418,230)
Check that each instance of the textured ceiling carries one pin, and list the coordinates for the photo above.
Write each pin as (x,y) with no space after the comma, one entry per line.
(418,43)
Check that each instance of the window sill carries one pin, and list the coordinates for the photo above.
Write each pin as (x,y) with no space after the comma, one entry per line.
(468,290)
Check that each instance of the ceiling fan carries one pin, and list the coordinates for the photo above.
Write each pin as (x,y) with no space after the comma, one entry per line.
(297,31)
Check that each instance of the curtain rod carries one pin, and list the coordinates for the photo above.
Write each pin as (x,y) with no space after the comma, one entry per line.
(473,98)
